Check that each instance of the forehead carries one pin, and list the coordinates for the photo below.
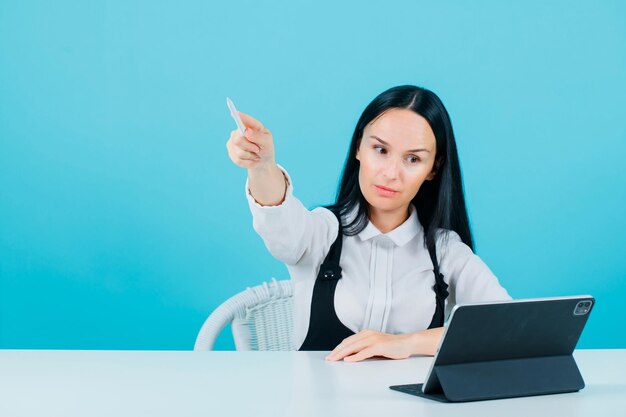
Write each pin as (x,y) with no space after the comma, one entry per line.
(402,128)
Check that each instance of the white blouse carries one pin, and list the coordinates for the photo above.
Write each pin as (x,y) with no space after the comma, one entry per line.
(387,278)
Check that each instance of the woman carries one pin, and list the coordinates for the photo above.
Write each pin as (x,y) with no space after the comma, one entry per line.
(380,281)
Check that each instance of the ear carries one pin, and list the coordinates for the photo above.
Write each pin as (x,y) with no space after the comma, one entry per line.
(358,148)
(436,167)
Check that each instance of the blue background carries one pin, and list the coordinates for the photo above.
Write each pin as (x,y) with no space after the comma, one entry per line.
(123,223)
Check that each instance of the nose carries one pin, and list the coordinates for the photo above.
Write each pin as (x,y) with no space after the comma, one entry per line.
(392,168)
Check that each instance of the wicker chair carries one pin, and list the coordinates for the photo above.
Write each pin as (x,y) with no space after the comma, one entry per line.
(261,319)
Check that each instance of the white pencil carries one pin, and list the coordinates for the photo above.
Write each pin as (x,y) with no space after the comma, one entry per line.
(235,114)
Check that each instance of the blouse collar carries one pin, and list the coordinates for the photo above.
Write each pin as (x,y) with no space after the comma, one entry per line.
(401,235)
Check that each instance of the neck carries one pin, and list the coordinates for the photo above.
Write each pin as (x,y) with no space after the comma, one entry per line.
(386,221)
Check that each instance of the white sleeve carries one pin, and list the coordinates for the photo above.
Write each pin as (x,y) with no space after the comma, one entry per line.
(468,277)
(292,233)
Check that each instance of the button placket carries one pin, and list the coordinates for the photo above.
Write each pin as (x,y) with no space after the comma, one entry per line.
(380,270)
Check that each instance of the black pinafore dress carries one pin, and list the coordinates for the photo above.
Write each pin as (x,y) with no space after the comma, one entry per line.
(326,331)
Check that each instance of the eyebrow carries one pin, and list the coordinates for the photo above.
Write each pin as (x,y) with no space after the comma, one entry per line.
(385,143)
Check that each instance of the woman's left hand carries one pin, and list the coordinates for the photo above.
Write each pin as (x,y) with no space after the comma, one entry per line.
(369,343)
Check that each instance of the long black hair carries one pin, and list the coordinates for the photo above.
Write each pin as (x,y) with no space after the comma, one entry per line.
(440,202)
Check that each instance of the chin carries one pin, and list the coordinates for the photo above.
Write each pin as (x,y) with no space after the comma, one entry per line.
(382,203)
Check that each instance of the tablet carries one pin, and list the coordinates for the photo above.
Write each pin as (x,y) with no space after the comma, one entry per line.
(507,349)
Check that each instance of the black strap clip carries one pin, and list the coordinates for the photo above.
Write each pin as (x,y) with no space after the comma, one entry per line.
(441,288)
(329,273)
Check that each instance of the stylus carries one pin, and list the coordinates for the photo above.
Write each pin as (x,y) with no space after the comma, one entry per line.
(235,114)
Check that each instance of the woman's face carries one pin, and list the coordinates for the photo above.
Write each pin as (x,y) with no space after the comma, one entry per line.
(397,154)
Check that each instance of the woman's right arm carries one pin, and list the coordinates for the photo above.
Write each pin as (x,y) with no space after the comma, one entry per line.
(290,231)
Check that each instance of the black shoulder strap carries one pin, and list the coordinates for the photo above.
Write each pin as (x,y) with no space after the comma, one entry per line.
(441,292)
(330,266)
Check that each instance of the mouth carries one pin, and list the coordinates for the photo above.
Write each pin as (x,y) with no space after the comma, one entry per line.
(386,188)
(385,191)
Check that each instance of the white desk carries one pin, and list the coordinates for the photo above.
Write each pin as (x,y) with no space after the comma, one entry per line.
(175,384)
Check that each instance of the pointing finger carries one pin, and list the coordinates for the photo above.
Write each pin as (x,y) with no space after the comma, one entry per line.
(251,122)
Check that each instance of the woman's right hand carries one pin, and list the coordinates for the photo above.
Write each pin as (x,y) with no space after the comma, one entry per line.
(254,149)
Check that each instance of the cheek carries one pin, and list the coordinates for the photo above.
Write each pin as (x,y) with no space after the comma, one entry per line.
(416,184)
(415,181)
(370,164)
(365,166)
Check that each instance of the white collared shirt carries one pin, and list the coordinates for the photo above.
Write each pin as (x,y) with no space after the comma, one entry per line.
(387,278)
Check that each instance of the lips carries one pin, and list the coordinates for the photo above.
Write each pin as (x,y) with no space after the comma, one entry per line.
(386,188)
(385,192)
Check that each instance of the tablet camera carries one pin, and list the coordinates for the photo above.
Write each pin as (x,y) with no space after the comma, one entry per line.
(582,308)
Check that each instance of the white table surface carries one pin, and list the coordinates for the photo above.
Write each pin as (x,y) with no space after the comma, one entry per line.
(82,383)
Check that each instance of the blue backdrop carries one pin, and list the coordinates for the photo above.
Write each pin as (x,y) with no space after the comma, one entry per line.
(123,223)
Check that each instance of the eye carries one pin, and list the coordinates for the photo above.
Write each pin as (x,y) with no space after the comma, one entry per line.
(383,150)
(413,159)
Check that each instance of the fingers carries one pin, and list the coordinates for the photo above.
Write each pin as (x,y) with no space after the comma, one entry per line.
(247,163)
(356,351)
(351,345)
(245,155)
(364,354)
(251,122)
(252,148)
(243,142)
(369,343)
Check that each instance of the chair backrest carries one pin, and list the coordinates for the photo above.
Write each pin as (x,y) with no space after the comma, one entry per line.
(261,318)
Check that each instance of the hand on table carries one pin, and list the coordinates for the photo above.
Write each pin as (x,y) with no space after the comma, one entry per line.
(369,343)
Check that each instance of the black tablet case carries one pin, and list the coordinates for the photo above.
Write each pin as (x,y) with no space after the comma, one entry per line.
(508,350)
